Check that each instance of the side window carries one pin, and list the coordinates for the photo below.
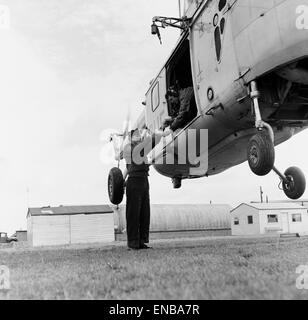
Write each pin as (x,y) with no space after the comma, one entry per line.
(273,218)
(250,219)
(296,218)
(155,97)
(236,221)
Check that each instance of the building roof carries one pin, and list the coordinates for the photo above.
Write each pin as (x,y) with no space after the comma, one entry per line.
(273,206)
(300,201)
(69,210)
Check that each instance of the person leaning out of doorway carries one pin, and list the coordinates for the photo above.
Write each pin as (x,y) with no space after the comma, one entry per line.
(181,110)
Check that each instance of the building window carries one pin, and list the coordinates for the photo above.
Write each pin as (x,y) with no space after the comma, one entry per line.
(296,218)
(250,219)
(155,97)
(272,218)
(236,221)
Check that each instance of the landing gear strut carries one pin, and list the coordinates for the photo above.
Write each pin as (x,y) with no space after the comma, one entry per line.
(261,153)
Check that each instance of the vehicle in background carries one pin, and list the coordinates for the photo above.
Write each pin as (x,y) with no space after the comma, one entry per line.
(5,239)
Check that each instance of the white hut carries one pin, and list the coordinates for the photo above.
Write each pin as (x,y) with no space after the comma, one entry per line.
(265,218)
(49,226)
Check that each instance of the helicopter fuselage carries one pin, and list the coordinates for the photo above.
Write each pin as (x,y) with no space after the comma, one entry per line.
(229,44)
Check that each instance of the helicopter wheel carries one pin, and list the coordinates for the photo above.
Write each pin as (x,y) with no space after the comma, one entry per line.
(115,186)
(296,186)
(261,154)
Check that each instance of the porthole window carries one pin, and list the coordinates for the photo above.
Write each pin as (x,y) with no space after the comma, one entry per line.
(210,94)
(215,20)
(222,4)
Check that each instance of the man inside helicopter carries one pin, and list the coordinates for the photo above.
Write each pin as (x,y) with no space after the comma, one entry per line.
(181,108)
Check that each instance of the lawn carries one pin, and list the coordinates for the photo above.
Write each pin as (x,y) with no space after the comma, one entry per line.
(182,269)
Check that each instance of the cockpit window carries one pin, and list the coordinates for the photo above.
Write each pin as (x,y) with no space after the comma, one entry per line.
(222,4)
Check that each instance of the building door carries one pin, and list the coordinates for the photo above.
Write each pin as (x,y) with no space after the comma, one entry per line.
(285,222)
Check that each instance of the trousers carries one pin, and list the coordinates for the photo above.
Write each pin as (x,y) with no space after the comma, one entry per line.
(137,211)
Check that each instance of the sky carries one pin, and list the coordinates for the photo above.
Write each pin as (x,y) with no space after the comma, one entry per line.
(69,69)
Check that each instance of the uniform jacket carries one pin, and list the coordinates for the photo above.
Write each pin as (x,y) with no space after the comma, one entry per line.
(185,112)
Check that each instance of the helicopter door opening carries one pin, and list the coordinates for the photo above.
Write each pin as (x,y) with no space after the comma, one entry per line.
(179,77)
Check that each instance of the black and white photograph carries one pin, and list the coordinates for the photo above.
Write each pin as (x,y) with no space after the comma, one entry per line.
(153,153)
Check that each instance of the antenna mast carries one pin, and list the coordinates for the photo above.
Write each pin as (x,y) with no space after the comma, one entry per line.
(261,194)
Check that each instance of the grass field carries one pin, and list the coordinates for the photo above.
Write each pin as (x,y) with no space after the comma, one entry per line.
(181,269)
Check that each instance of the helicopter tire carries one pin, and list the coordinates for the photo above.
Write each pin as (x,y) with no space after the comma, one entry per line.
(261,154)
(115,186)
(297,183)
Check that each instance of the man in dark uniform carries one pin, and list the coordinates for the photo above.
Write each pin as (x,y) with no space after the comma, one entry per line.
(137,189)
(186,112)
(172,96)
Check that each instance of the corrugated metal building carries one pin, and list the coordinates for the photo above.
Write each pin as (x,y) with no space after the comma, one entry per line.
(184,217)
(66,225)
(265,218)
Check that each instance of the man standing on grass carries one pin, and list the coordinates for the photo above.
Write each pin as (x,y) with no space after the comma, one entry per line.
(137,188)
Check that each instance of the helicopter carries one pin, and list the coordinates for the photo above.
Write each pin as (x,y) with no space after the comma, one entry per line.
(247,61)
